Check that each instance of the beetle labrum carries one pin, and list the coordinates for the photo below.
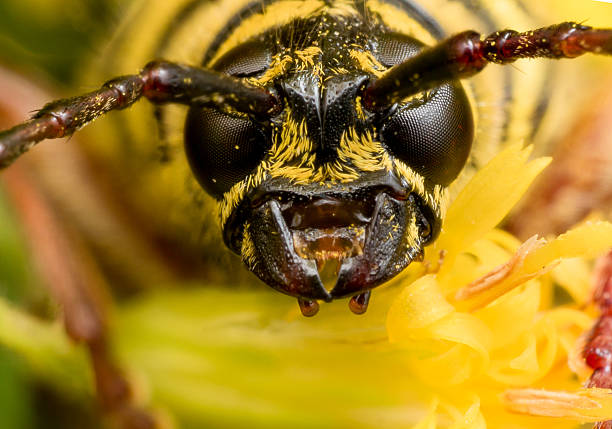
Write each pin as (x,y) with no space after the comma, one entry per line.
(329,134)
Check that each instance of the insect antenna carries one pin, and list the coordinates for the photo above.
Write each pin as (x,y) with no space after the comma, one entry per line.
(159,82)
(466,54)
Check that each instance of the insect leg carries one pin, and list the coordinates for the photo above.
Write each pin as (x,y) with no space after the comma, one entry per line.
(598,351)
(160,82)
(466,54)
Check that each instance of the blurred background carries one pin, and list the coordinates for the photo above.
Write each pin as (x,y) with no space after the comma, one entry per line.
(47,42)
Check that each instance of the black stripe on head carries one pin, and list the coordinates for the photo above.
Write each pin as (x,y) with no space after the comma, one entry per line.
(419,15)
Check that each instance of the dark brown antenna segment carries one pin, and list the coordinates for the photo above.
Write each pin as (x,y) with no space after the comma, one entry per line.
(160,82)
(466,54)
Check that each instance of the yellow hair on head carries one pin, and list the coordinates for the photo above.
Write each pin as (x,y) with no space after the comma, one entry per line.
(274,15)
(441,199)
(305,57)
(232,198)
(366,62)
(230,201)
(279,66)
(247,251)
(291,144)
(412,234)
(359,109)
(410,176)
(363,152)
(436,198)
(342,8)
(297,175)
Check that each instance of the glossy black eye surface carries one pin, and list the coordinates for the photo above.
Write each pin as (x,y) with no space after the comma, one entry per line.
(433,134)
(222,150)
(394,48)
(247,59)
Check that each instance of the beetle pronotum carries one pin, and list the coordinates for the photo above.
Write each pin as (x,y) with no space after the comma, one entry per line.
(324,130)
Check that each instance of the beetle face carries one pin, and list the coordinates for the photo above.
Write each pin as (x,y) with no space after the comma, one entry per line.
(324,180)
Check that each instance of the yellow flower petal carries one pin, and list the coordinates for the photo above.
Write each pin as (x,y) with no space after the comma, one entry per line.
(574,276)
(533,259)
(430,421)
(586,241)
(586,405)
(484,202)
(469,355)
(472,418)
(528,359)
(499,280)
(417,306)
(513,314)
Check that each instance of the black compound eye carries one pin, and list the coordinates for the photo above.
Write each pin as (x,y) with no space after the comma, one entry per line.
(222,150)
(248,59)
(433,134)
(394,48)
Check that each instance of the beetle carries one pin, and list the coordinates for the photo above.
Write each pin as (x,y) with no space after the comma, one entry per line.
(331,137)
(322,131)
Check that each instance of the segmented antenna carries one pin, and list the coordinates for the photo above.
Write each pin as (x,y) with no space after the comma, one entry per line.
(466,54)
(159,82)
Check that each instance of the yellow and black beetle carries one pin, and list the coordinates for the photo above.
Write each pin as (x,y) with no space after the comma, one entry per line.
(327,135)
(314,153)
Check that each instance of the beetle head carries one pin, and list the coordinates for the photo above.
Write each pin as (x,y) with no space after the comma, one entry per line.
(324,180)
